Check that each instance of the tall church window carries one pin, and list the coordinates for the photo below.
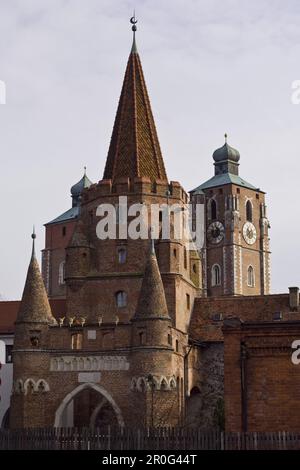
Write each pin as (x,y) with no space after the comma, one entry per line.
(249,211)
(122,255)
(62,273)
(250,276)
(216,275)
(121,299)
(213,209)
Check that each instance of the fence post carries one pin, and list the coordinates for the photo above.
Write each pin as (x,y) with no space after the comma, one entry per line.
(222,443)
(284,440)
(108,437)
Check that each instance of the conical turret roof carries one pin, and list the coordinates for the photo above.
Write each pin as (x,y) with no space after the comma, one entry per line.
(35,307)
(152,299)
(79,237)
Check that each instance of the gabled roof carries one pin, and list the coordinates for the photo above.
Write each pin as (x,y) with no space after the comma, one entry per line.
(221,180)
(257,308)
(134,148)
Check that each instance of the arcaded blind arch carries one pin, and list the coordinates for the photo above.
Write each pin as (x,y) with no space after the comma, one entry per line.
(216,275)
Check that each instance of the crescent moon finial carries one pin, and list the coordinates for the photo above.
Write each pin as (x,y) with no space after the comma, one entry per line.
(133,21)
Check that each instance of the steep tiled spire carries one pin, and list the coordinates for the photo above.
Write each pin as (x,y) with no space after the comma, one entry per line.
(34,306)
(152,299)
(134,148)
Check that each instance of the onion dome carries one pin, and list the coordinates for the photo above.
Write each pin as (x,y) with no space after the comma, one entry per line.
(226,153)
(77,188)
(226,159)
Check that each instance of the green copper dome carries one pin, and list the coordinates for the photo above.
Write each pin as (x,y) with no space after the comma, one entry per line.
(77,189)
(226,153)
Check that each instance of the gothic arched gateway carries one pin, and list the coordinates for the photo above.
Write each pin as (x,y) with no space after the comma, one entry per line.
(88,405)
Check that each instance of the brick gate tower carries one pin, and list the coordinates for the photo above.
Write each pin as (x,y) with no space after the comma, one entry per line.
(117,354)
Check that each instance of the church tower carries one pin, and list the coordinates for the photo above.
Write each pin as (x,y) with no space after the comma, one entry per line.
(236,256)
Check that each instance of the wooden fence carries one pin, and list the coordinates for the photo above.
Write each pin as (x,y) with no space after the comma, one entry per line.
(144,439)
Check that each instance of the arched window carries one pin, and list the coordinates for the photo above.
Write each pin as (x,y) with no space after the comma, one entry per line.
(121,299)
(142,337)
(216,275)
(122,254)
(213,209)
(249,211)
(250,276)
(76,341)
(61,273)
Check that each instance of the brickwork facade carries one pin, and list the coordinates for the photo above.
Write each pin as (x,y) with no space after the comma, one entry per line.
(118,351)
(151,333)
(261,381)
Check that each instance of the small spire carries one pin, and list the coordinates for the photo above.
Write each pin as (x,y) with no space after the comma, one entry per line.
(84,168)
(225,135)
(133,21)
(33,236)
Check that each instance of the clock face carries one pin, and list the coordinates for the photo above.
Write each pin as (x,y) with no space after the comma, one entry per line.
(249,233)
(215,232)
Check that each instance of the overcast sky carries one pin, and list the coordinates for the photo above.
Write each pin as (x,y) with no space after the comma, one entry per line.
(210,66)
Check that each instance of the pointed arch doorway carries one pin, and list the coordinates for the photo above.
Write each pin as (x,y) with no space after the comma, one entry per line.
(88,405)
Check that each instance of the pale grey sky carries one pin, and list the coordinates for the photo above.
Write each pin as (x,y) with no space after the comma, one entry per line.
(211,67)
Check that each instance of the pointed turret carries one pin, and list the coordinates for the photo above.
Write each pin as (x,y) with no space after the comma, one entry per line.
(35,307)
(79,237)
(134,148)
(78,251)
(152,299)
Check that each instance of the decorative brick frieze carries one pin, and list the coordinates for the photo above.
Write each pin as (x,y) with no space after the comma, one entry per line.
(88,363)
